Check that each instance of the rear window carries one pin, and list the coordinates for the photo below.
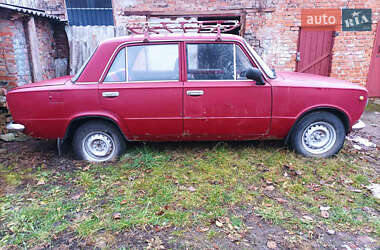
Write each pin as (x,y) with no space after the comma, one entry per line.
(117,72)
(153,62)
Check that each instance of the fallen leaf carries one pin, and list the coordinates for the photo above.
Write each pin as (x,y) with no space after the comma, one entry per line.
(325,214)
(41,182)
(159,213)
(76,197)
(299,172)
(116,216)
(281,201)
(123,202)
(253,187)
(324,208)
(268,182)
(269,188)
(307,218)
(331,232)
(218,223)
(271,244)
(191,189)
(267,204)
(203,229)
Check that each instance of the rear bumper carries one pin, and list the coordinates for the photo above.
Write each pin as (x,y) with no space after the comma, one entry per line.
(358,125)
(15,126)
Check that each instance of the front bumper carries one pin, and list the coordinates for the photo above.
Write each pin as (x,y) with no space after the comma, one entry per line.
(358,125)
(15,126)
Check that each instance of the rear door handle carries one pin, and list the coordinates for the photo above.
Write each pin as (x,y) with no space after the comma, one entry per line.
(110,94)
(194,92)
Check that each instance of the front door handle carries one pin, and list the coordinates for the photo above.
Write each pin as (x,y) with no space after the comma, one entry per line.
(110,94)
(194,92)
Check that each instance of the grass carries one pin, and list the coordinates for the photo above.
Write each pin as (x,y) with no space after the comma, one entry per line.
(186,185)
(373,106)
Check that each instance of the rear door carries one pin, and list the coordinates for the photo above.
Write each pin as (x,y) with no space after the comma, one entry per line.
(143,89)
(219,102)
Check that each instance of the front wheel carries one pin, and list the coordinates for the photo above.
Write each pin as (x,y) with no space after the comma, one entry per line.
(98,141)
(319,134)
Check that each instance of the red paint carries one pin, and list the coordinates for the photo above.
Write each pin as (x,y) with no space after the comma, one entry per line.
(314,50)
(228,110)
(373,81)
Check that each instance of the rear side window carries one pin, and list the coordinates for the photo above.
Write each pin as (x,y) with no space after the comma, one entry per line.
(157,62)
(216,61)
(117,73)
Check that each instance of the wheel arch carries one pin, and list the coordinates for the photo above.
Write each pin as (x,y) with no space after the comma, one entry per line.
(338,112)
(78,121)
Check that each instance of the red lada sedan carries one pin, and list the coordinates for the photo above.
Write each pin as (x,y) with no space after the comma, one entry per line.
(177,87)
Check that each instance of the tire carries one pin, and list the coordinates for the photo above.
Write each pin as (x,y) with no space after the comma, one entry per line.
(319,134)
(98,141)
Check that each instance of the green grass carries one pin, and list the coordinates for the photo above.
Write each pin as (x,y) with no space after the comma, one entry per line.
(373,106)
(186,185)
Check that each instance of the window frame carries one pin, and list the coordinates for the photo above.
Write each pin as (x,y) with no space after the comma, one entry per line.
(234,43)
(122,46)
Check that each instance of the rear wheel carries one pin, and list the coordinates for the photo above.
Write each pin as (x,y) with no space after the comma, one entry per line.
(98,141)
(319,134)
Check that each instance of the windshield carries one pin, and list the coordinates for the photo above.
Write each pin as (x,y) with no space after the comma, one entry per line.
(263,65)
(76,76)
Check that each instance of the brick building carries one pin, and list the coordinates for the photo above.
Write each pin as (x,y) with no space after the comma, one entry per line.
(273,27)
(33,45)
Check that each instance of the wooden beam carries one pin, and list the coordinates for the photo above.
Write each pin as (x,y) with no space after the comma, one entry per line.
(34,50)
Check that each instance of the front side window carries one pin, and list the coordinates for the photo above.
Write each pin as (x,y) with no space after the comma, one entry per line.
(210,61)
(157,62)
(242,63)
(117,73)
(216,61)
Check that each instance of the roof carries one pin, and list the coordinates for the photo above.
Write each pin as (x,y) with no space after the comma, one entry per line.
(28,11)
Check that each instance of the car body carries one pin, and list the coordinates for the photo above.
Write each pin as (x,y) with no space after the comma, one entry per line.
(185,87)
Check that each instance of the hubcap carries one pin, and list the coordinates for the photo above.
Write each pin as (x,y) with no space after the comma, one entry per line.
(98,146)
(319,137)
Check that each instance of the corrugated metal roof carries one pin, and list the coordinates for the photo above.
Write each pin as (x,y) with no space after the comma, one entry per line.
(29,11)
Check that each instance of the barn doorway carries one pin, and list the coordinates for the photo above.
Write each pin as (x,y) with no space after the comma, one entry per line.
(315,52)
(373,80)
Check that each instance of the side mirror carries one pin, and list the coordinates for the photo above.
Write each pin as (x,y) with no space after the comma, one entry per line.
(256,75)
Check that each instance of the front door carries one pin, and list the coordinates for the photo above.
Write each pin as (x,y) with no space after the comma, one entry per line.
(373,82)
(314,52)
(147,97)
(219,102)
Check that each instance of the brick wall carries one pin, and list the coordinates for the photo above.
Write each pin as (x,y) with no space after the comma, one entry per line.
(272,27)
(14,62)
(15,59)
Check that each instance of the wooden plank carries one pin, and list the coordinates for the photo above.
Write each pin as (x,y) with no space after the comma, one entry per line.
(34,50)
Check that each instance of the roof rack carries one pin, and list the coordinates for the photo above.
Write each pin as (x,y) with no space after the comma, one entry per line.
(214,26)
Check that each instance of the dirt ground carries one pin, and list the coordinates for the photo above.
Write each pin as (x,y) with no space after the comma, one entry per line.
(257,233)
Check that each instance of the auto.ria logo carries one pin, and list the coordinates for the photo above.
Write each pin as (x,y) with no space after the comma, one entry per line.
(337,19)
(356,19)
